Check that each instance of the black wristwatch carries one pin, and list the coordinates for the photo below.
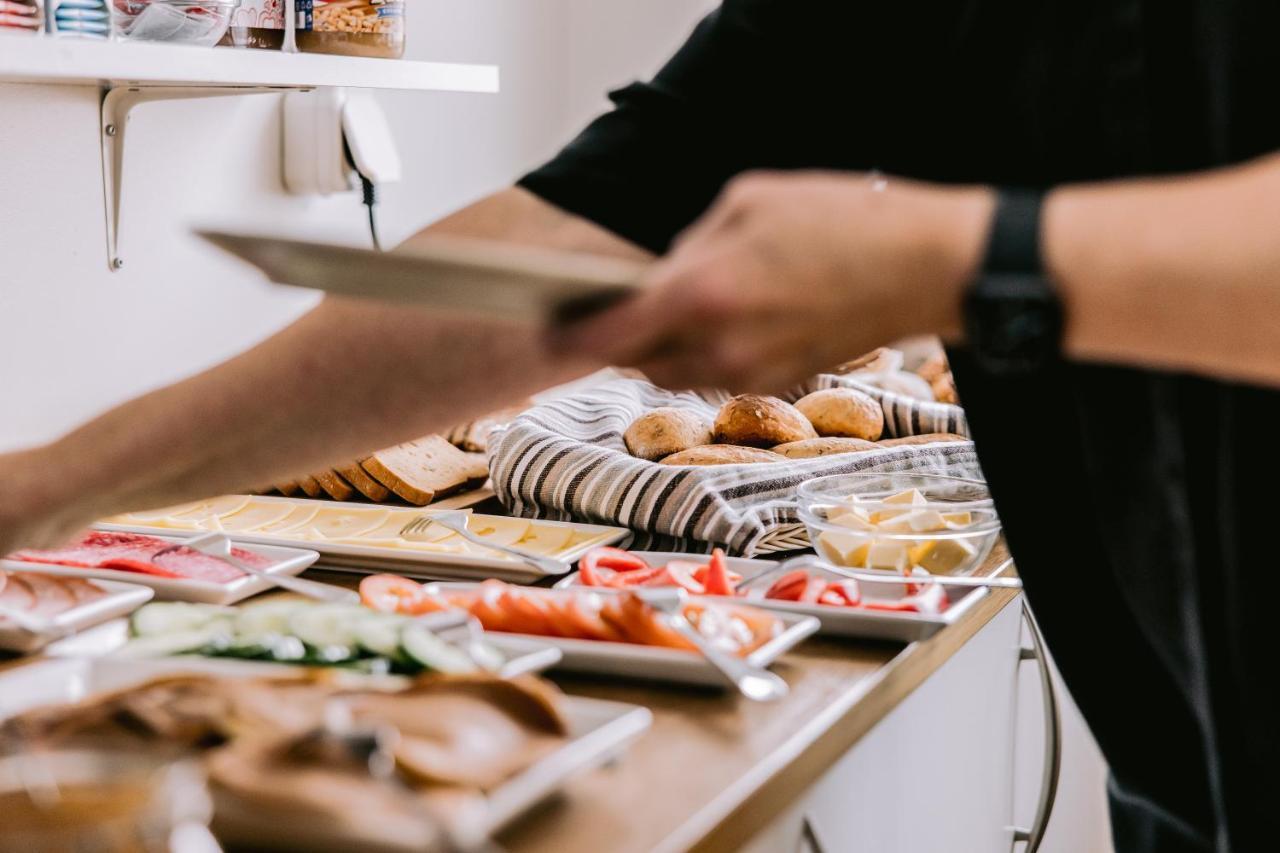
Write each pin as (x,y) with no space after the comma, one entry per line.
(1012,314)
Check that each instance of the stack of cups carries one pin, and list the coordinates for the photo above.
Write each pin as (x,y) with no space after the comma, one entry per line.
(82,18)
(21,16)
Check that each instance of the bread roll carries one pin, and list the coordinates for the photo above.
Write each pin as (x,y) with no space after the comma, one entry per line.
(754,421)
(944,389)
(843,412)
(664,431)
(812,447)
(722,454)
(924,438)
(878,360)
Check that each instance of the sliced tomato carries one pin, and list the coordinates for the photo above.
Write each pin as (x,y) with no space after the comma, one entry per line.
(641,625)
(590,574)
(581,617)
(814,587)
(717,577)
(485,605)
(641,577)
(842,594)
(615,559)
(678,573)
(391,594)
(789,587)
(701,576)
(526,614)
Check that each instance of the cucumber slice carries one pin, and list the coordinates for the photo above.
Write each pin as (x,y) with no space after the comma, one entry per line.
(176,642)
(325,625)
(379,633)
(435,654)
(260,624)
(173,617)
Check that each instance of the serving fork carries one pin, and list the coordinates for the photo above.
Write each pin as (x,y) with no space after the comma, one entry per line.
(752,681)
(449,521)
(218,546)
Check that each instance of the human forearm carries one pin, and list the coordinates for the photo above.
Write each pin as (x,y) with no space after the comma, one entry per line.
(347,378)
(1178,274)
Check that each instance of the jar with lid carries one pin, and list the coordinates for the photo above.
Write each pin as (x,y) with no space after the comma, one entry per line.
(355,28)
(263,23)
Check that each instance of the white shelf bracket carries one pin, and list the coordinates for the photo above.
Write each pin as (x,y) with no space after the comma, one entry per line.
(118,102)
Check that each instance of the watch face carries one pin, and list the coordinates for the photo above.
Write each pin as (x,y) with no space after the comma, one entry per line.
(1014,322)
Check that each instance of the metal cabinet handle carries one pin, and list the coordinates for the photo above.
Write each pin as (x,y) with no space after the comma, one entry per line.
(1052,739)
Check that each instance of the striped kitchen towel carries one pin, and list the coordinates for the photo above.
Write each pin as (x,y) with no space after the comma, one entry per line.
(566,459)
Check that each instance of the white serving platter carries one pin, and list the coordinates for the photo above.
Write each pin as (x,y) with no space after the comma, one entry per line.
(120,600)
(902,627)
(599,730)
(286,561)
(424,565)
(651,663)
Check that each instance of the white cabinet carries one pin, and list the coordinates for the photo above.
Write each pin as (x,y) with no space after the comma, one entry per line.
(939,772)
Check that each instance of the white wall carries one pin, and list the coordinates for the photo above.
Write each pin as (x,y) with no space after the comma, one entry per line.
(75,338)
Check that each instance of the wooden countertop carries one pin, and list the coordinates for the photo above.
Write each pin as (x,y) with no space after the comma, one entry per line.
(715,768)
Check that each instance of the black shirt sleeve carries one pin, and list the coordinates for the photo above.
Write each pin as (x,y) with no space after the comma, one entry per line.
(726,102)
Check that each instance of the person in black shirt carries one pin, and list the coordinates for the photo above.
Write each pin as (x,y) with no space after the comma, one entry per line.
(882,128)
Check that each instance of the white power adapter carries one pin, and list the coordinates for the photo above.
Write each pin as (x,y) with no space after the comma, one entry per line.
(320,127)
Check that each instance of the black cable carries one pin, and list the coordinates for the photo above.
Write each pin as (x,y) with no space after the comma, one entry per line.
(370,192)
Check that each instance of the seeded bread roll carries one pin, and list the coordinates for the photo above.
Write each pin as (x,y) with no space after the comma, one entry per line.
(664,431)
(722,454)
(843,412)
(924,438)
(812,447)
(754,421)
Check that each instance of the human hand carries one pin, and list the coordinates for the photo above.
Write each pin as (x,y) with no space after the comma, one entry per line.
(790,273)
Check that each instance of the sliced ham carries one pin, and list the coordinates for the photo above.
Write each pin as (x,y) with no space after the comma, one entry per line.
(135,552)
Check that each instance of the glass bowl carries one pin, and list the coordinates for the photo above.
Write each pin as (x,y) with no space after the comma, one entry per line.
(900,521)
(198,22)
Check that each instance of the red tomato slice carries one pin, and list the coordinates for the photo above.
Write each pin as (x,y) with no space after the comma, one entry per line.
(589,574)
(846,593)
(640,577)
(526,614)
(814,587)
(677,573)
(391,594)
(581,616)
(616,559)
(789,587)
(717,577)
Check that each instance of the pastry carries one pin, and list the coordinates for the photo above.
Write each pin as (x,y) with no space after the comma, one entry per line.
(812,447)
(843,412)
(664,431)
(756,421)
(722,454)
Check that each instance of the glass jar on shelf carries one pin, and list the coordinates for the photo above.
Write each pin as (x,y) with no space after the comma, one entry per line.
(263,24)
(355,28)
(199,22)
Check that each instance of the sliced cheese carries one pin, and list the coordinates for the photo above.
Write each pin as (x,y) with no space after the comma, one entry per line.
(392,524)
(499,530)
(299,515)
(255,515)
(341,523)
(212,508)
(942,556)
(150,515)
(911,497)
(546,539)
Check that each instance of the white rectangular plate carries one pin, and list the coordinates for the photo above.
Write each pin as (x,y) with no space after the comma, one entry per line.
(836,621)
(598,730)
(286,561)
(120,599)
(525,284)
(651,663)
(432,565)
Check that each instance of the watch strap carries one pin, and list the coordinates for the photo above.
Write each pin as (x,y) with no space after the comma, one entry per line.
(1014,244)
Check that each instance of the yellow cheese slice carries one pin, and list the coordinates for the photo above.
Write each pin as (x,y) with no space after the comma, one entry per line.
(299,515)
(392,524)
(345,523)
(499,530)
(150,515)
(212,508)
(942,556)
(257,514)
(546,539)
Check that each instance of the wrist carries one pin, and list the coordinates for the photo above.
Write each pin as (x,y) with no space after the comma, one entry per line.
(961,233)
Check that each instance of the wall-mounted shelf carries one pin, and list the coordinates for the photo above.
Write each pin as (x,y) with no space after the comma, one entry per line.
(35,59)
(130,74)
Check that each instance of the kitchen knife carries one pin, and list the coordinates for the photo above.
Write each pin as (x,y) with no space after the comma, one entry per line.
(457,274)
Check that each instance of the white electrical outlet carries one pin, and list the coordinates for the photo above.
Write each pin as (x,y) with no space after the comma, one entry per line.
(316,125)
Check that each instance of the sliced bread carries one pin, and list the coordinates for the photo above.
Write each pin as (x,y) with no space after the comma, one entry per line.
(421,470)
(334,486)
(364,484)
